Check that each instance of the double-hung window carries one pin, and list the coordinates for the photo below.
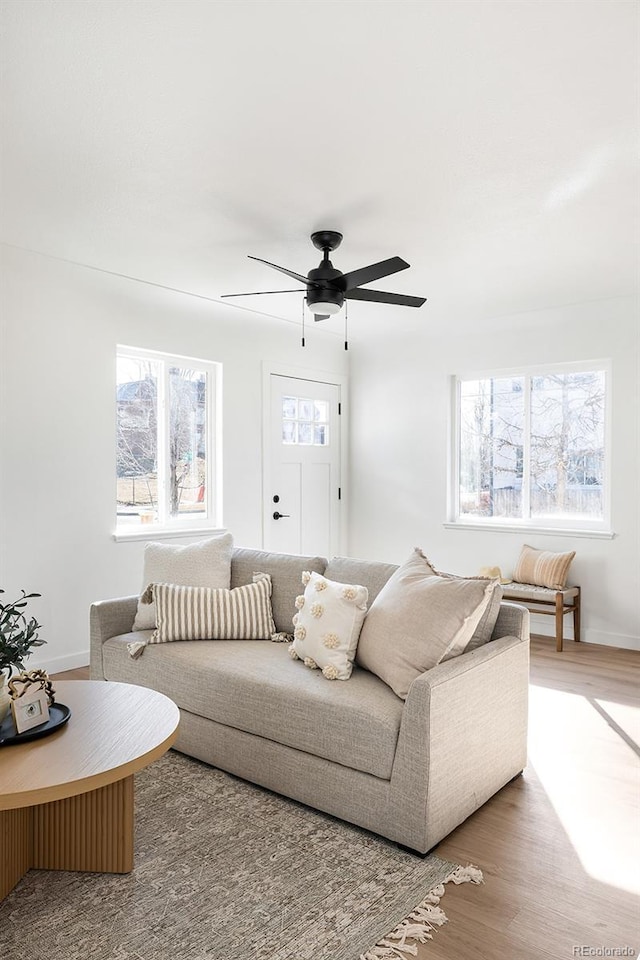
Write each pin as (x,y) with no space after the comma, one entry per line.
(530,448)
(167,439)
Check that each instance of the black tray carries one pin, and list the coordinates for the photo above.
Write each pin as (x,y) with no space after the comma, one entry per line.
(58,715)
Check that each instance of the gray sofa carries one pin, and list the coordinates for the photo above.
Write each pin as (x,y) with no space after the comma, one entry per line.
(410,771)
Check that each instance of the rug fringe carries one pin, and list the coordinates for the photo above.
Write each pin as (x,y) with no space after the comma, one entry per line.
(420,923)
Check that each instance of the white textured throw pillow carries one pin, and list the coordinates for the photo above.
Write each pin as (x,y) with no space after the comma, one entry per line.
(206,563)
(419,619)
(206,613)
(327,625)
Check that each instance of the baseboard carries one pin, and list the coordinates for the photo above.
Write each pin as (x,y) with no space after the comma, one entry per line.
(545,627)
(68,661)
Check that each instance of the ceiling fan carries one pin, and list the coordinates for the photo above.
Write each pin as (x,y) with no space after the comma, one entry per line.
(327,288)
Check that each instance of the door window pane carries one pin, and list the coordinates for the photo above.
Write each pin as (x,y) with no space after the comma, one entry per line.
(305,433)
(289,431)
(289,408)
(321,411)
(305,421)
(305,409)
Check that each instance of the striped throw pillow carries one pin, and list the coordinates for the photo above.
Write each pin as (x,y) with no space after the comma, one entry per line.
(543,568)
(207,613)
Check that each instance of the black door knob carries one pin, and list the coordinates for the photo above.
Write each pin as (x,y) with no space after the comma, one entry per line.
(279,516)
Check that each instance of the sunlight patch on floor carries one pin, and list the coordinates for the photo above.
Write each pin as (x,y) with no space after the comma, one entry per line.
(582,761)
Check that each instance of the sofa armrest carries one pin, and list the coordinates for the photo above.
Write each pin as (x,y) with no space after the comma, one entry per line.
(513,621)
(108,618)
(463,735)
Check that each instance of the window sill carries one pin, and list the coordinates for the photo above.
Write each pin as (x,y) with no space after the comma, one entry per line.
(530,528)
(164,533)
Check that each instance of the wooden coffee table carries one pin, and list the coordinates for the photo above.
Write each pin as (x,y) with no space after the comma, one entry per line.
(66,800)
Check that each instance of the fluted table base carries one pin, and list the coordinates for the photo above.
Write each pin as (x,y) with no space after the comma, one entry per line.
(91,831)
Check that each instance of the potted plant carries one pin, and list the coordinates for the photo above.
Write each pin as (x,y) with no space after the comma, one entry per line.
(18,636)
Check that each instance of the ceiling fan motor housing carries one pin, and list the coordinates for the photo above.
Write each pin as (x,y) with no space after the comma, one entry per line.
(323,286)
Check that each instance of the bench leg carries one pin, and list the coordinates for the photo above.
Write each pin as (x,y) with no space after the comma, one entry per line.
(576,617)
(559,620)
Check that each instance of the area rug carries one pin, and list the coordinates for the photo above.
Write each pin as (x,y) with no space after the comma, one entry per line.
(225,870)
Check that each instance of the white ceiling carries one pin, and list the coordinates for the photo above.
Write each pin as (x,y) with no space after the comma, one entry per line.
(490,144)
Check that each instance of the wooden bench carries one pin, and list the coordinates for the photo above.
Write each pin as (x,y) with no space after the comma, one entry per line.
(538,599)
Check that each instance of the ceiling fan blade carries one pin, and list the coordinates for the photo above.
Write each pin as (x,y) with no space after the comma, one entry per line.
(375,271)
(321,316)
(379,296)
(258,293)
(289,273)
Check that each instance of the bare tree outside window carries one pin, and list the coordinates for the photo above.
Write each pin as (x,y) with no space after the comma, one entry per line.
(532,447)
(187,440)
(162,430)
(136,436)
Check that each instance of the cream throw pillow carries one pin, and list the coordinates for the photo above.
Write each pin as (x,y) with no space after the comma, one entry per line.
(417,620)
(206,563)
(543,568)
(327,625)
(206,613)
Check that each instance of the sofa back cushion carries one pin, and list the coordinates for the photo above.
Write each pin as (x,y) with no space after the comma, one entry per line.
(370,573)
(285,571)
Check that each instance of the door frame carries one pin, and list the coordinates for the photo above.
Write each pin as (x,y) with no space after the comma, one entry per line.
(269,369)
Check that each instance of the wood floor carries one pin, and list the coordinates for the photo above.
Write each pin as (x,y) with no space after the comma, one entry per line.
(560,846)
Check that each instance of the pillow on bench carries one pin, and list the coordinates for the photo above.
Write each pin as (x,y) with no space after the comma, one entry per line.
(542,568)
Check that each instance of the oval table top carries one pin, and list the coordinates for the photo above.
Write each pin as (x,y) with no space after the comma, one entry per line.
(115,729)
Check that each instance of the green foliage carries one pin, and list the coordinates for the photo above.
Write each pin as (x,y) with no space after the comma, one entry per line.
(17,634)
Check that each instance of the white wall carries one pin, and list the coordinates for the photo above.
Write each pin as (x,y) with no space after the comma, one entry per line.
(59,328)
(400,405)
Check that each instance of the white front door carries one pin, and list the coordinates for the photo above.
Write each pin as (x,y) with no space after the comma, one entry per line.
(302,467)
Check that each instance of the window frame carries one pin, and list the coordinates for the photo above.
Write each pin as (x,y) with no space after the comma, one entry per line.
(184,524)
(584,527)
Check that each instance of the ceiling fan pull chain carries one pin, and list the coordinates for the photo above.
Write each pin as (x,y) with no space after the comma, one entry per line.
(346,317)
(303,302)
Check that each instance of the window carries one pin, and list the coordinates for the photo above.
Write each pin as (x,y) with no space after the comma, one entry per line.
(305,421)
(530,448)
(166,456)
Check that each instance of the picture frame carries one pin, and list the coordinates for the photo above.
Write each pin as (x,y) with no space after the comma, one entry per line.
(30,710)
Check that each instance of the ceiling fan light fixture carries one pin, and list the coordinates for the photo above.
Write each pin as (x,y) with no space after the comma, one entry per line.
(324,307)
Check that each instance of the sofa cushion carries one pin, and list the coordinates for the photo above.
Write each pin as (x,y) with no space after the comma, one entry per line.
(255,687)
(286,573)
(202,613)
(418,620)
(206,563)
(370,573)
(327,625)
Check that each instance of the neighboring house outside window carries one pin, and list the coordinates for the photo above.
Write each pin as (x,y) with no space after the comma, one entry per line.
(531,448)
(167,461)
